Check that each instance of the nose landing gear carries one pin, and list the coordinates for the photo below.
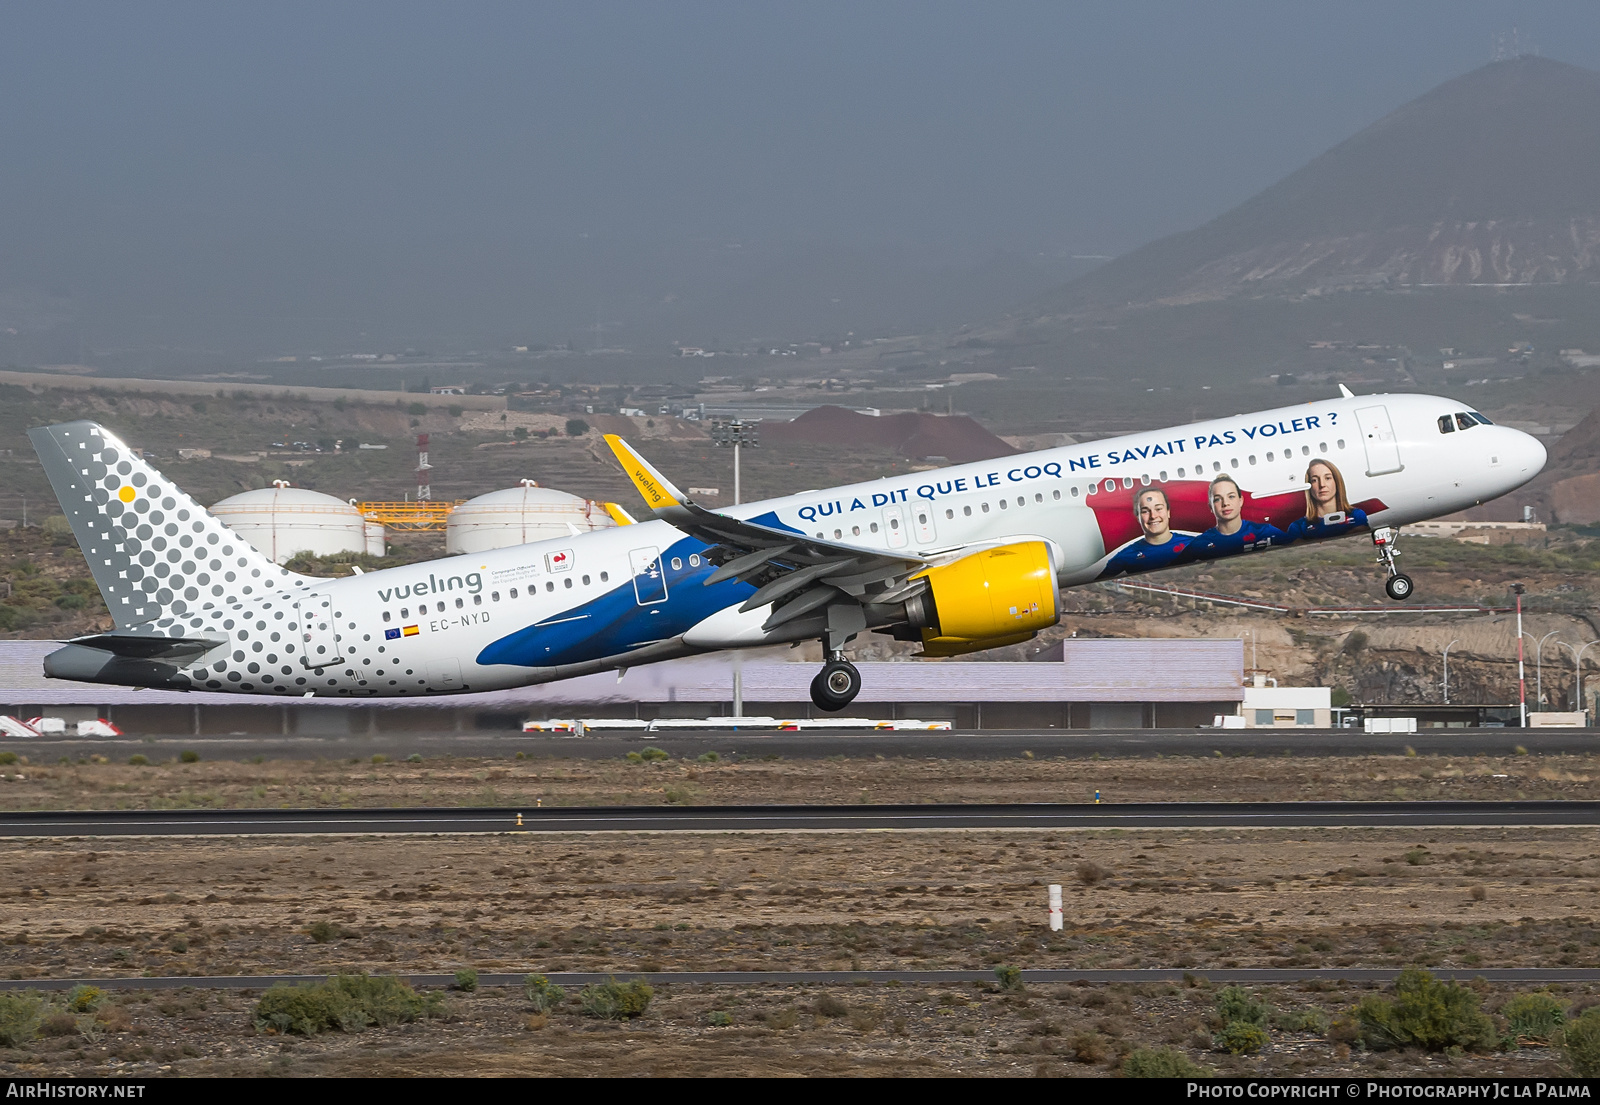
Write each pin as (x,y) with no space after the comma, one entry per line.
(1398,586)
(836,685)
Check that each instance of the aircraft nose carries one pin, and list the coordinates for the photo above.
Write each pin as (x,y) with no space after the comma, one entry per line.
(1530,453)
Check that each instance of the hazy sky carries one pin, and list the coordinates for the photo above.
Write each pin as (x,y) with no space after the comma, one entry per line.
(226,154)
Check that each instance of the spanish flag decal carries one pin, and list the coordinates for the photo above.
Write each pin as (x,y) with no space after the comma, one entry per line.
(411,631)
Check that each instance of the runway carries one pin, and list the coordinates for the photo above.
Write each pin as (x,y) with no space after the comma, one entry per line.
(1246,976)
(654,819)
(988,744)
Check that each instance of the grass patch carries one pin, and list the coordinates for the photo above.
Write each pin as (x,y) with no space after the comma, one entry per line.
(1161,1062)
(21,1014)
(345,1003)
(1424,1013)
(616,1001)
(542,994)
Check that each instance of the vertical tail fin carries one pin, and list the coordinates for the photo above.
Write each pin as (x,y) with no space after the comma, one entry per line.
(154,552)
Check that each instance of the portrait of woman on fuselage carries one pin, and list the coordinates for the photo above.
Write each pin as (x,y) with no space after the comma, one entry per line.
(1232,533)
(1328,509)
(1159,546)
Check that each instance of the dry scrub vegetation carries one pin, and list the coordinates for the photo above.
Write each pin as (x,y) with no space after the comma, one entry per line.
(378,779)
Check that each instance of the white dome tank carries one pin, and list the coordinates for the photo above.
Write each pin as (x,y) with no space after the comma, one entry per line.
(281,520)
(519,515)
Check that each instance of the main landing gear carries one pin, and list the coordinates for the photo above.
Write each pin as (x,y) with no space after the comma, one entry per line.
(1398,586)
(836,685)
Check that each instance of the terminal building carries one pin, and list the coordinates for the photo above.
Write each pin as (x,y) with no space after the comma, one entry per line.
(1086,684)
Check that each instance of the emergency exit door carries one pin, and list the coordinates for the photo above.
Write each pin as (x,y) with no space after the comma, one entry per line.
(649,580)
(1377,435)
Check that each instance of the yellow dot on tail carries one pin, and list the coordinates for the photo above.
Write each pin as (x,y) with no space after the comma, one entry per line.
(126,494)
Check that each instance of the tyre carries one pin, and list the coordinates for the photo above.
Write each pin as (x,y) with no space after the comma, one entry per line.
(836,685)
(1398,587)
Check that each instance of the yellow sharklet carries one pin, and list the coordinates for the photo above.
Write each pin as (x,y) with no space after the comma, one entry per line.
(657,490)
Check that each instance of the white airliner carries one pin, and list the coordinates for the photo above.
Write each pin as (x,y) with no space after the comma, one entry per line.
(961,559)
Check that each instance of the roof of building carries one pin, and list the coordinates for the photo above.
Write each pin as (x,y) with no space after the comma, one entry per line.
(1093,670)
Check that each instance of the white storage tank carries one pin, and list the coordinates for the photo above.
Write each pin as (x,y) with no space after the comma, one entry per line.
(519,515)
(281,520)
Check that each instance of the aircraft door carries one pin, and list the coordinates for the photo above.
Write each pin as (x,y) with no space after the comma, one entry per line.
(444,674)
(1377,434)
(649,580)
(923,515)
(320,643)
(894,524)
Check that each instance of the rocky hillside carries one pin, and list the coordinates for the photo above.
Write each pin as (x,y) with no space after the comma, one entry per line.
(1492,178)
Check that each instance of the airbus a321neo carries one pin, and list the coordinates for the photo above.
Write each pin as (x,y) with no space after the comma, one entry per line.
(959,559)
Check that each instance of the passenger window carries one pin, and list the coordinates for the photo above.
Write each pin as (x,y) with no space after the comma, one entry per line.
(966,512)
(985,507)
(1111,485)
(677,566)
(675,563)
(477,600)
(405,612)
(1021,500)
(549,585)
(1252,458)
(1305,450)
(1038,496)
(872,527)
(837,534)
(949,514)
(1003,504)
(512,592)
(1216,466)
(441,605)
(1464,421)
(894,523)
(1233,462)
(1322,446)
(605,576)
(1057,492)
(1180,473)
(1339,444)
(694,562)
(460,602)
(1162,476)
(1269,456)
(386,615)
(567,583)
(494,596)
(1446,426)
(855,531)
(1127,481)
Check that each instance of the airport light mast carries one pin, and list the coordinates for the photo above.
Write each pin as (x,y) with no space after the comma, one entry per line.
(736,432)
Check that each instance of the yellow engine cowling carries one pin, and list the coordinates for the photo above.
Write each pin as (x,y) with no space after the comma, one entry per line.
(999,596)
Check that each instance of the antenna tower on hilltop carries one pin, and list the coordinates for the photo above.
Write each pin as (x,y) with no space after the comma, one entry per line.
(1512,44)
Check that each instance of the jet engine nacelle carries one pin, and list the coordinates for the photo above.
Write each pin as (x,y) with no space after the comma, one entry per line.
(998,596)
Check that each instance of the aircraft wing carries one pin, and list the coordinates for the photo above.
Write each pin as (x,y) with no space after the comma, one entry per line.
(796,573)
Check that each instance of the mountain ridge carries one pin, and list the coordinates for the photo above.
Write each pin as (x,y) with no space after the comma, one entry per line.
(1491,178)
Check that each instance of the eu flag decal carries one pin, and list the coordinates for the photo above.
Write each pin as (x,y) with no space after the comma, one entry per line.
(391,634)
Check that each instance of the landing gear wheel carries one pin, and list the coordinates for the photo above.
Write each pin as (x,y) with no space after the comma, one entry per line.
(836,685)
(1398,587)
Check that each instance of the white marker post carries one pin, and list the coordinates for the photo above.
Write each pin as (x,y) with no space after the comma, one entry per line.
(1055,907)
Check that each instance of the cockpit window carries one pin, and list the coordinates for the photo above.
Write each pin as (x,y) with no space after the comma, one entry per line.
(1465,421)
(1482,419)
(1445,425)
